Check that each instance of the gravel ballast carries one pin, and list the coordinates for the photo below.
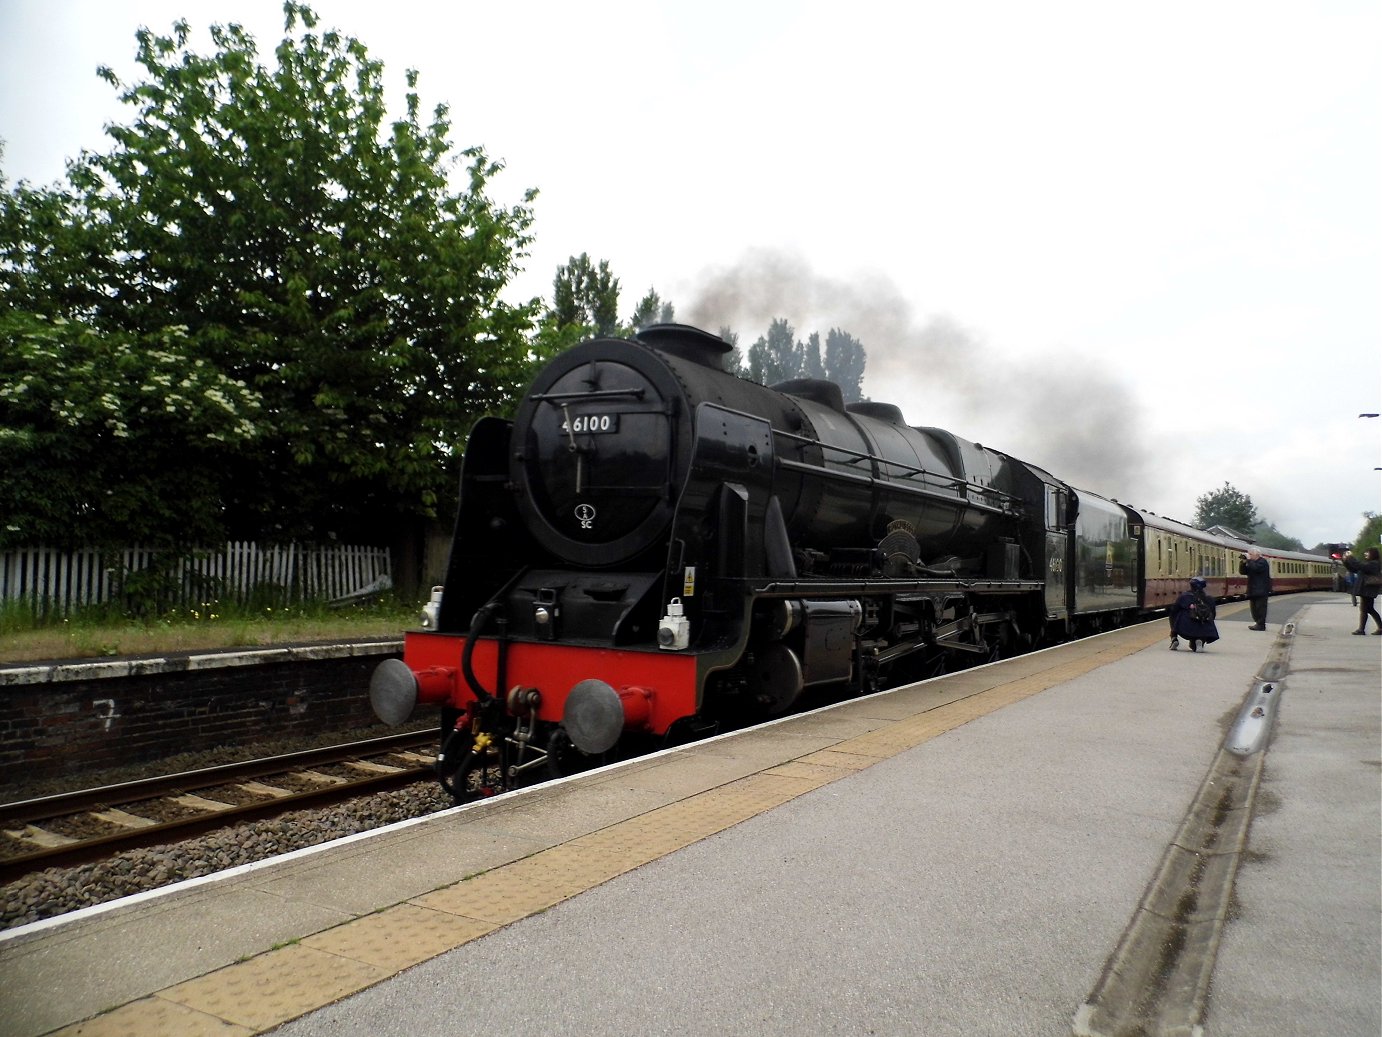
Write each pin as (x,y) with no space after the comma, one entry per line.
(56,891)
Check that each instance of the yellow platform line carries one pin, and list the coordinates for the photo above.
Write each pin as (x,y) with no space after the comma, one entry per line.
(269,989)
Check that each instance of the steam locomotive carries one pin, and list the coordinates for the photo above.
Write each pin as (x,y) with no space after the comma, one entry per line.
(654,549)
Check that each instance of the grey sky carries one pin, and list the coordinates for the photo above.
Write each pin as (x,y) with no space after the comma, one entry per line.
(1137,244)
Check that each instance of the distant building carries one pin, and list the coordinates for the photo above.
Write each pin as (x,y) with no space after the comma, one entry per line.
(1224,531)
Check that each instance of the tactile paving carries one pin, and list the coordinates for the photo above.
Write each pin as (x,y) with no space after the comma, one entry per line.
(154,1017)
(817,774)
(526,886)
(399,937)
(845,761)
(275,987)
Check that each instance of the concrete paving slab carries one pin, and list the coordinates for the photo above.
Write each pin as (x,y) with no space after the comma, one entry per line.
(354,883)
(569,812)
(123,955)
(1306,941)
(671,777)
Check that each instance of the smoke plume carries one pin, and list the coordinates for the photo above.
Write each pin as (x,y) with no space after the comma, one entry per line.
(1065,413)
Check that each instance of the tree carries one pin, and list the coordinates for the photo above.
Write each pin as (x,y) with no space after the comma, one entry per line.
(811,364)
(1370,535)
(734,361)
(110,436)
(585,297)
(844,363)
(776,356)
(1267,535)
(1226,507)
(651,309)
(311,251)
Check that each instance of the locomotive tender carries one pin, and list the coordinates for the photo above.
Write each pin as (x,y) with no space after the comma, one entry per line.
(654,548)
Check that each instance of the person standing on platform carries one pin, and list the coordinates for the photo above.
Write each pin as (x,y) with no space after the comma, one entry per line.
(1192,617)
(1368,584)
(1259,573)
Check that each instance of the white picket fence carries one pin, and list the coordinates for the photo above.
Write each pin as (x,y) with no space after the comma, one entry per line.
(52,581)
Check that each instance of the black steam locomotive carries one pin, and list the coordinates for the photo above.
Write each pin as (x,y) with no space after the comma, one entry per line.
(654,548)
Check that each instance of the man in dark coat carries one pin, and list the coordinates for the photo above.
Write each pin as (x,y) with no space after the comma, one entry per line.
(1259,573)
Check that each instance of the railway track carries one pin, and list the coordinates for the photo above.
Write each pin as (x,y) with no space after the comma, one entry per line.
(78,827)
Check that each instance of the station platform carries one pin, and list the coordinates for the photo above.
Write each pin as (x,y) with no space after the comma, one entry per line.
(1100,838)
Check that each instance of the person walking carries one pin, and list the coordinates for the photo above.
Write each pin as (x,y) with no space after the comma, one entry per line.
(1368,584)
(1259,573)
(1192,617)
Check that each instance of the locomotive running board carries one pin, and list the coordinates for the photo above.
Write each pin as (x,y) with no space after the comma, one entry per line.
(834,587)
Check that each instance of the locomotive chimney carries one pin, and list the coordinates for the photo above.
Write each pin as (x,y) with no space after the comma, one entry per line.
(686,342)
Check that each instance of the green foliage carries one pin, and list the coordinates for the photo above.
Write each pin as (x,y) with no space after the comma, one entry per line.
(776,356)
(844,363)
(106,631)
(1226,507)
(152,589)
(585,299)
(112,437)
(734,362)
(812,366)
(651,309)
(1370,535)
(1266,534)
(309,252)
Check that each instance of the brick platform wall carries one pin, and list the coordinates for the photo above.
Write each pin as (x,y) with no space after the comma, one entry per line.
(65,719)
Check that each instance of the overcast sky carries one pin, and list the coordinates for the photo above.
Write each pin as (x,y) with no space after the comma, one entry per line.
(1135,244)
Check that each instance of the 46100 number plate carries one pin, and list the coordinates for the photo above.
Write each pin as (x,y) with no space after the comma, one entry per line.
(592,423)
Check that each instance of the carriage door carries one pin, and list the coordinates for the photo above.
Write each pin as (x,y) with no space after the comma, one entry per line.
(1059,559)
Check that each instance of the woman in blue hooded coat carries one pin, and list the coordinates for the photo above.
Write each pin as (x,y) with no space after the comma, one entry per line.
(1192,617)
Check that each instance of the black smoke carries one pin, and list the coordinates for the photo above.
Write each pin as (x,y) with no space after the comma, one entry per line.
(1068,414)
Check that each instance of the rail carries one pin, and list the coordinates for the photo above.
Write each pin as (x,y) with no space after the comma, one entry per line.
(33,828)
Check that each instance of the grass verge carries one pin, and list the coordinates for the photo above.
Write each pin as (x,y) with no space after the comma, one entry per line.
(99,633)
